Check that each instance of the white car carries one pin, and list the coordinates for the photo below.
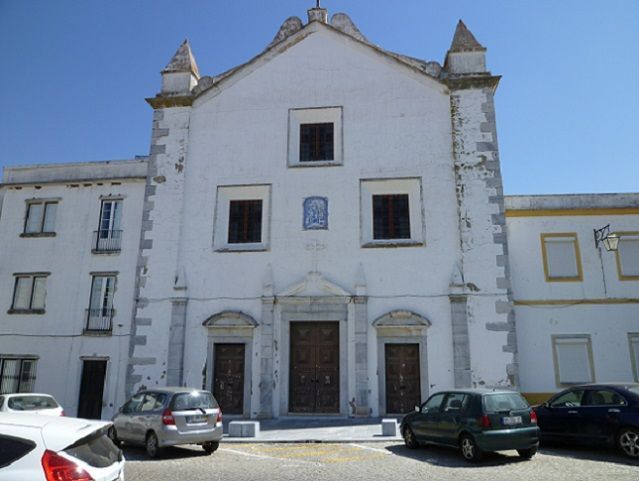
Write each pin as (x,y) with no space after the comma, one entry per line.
(33,403)
(47,448)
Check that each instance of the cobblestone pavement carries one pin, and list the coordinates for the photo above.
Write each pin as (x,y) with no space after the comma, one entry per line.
(372,462)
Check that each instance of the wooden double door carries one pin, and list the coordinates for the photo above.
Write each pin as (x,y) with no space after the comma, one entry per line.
(314,367)
(403,390)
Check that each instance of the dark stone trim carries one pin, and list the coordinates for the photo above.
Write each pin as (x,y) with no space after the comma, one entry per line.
(159,101)
(26,311)
(37,234)
(473,82)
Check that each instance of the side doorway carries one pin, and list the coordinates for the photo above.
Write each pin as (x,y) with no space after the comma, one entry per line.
(403,389)
(92,389)
(228,377)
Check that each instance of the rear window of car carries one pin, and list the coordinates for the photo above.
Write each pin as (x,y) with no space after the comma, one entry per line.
(31,403)
(504,402)
(12,449)
(193,400)
(96,450)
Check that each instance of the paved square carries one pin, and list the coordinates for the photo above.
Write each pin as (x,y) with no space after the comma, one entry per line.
(373,461)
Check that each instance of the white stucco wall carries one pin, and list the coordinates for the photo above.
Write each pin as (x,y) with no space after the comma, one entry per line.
(601,305)
(56,336)
(396,124)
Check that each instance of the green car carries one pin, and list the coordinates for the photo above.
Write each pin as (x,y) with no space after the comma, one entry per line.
(474,421)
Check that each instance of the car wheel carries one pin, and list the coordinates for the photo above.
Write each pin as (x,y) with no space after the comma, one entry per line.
(210,447)
(628,442)
(469,449)
(152,445)
(409,438)
(527,453)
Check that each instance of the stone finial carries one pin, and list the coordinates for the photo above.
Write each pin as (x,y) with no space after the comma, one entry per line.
(181,74)
(183,61)
(464,40)
(466,55)
(343,23)
(290,26)
(318,14)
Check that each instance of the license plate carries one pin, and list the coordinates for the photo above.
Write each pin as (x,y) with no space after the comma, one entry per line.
(511,420)
(196,419)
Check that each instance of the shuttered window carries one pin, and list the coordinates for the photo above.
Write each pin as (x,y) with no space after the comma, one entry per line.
(391,219)
(245,221)
(628,256)
(561,257)
(316,142)
(573,360)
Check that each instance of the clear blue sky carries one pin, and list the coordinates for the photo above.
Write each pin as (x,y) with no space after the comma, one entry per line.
(74,74)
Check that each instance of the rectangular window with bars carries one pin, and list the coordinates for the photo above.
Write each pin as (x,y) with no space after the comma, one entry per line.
(100,313)
(391,219)
(245,221)
(17,375)
(40,218)
(29,293)
(316,142)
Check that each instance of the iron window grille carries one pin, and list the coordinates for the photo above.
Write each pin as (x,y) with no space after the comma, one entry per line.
(100,314)
(107,241)
(17,375)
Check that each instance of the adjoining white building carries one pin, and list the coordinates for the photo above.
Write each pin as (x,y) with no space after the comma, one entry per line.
(321,230)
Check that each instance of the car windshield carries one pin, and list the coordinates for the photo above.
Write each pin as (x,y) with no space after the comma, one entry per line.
(31,403)
(502,402)
(194,400)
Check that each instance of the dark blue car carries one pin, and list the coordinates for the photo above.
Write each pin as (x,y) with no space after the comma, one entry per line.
(593,414)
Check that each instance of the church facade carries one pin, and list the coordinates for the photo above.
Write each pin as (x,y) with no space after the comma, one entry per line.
(321,230)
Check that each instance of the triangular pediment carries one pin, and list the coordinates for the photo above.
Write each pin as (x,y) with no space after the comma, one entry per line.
(412,66)
(314,285)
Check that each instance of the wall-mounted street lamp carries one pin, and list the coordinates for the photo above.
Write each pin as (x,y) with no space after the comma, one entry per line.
(609,241)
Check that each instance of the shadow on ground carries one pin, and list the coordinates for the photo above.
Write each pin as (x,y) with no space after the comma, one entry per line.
(138,453)
(451,458)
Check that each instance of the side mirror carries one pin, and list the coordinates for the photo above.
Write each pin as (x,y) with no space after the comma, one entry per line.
(417,409)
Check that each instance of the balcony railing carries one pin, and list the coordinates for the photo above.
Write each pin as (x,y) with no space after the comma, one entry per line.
(106,241)
(100,320)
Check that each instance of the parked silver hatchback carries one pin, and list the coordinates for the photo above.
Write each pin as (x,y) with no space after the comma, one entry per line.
(167,417)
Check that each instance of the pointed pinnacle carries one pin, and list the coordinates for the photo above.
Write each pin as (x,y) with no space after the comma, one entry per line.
(464,40)
(183,61)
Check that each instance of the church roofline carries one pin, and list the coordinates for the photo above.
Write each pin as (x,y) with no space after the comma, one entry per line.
(430,70)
